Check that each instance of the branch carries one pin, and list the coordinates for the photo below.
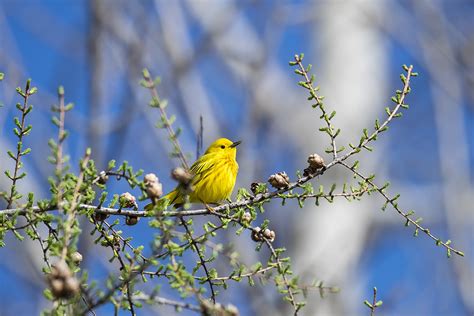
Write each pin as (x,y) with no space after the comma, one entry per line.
(164,301)
(283,271)
(116,254)
(201,259)
(74,205)
(409,220)
(375,304)
(156,102)
(20,131)
(308,84)
(399,102)
(59,148)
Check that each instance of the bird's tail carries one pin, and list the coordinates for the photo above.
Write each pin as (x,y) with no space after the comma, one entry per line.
(173,198)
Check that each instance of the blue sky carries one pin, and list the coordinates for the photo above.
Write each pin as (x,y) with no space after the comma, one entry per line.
(48,42)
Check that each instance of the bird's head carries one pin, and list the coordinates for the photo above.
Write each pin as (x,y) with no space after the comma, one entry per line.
(223,145)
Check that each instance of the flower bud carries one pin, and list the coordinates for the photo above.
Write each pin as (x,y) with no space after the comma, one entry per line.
(246,217)
(315,161)
(279,180)
(154,190)
(150,178)
(76,257)
(153,187)
(128,200)
(256,234)
(181,175)
(269,234)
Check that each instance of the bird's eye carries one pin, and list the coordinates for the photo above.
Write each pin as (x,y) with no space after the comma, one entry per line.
(222,146)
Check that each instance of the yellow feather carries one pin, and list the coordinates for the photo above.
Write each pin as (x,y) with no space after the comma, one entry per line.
(214,175)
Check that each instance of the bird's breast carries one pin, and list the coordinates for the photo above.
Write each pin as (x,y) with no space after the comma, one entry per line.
(219,184)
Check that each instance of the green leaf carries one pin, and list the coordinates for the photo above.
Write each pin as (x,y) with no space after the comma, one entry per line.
(32,91)
(48,294)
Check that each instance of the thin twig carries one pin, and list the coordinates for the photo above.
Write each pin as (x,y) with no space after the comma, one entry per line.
(201,259)
(395,206)
(173,137)
(375,304)
(200,136)
(74,205)
(319,103)
(393,113)
(374,300)
(282,271)
(22,132)
(59,149)
(166,301)
(116,254)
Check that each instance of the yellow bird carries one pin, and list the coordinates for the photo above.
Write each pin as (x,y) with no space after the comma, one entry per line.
(213,175)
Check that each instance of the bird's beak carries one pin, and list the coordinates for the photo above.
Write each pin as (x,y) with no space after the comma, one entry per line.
(235,144)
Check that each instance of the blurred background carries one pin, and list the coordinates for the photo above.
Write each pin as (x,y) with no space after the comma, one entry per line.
(227,61)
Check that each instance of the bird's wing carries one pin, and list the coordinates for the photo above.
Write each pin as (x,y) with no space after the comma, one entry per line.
(202,167)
